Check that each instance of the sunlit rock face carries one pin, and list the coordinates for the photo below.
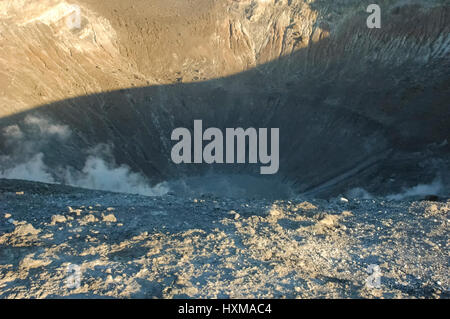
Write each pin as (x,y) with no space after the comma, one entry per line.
(356,107)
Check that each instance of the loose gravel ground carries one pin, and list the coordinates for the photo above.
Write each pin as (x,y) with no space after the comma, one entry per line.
(57,241)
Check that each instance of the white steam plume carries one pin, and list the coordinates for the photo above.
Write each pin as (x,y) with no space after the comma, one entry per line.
(33,170)
(24,159)
(421,190)
(434,188)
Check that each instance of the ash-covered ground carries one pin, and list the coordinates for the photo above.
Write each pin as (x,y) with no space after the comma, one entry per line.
(58,241)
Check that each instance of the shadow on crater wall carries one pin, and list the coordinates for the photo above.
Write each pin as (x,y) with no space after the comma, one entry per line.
(366,113)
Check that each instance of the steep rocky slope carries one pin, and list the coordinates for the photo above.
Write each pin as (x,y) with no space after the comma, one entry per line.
(355,106)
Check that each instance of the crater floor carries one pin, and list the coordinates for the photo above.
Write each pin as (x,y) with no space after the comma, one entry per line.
(166,247)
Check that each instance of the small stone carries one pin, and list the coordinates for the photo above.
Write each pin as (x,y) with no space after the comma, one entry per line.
(347,213)
(109,218)
(25,229)
(343,200)
(233,212)
(58,219)
(330,220)
(75,211)
(274,212)
(88,219)
(8,215)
